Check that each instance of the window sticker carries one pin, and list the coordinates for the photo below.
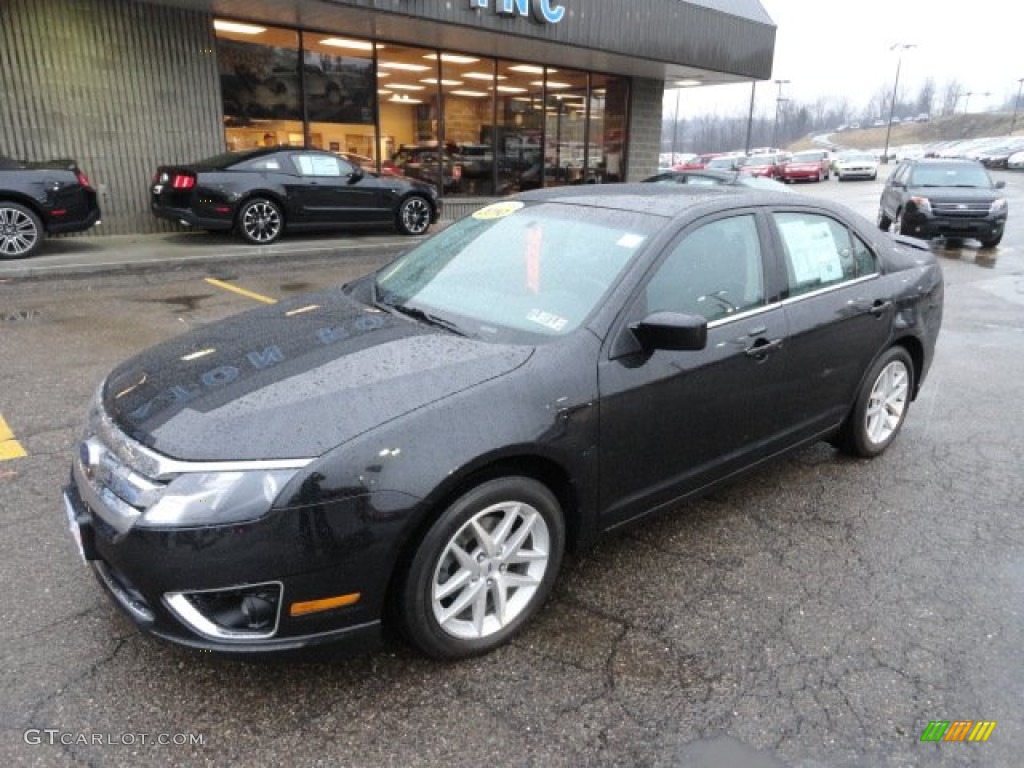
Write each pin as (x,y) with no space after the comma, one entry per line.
(547,319)
(629,240)
(498,210)
(812,251)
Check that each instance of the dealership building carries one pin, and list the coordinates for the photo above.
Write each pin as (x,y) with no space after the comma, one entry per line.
(482,97)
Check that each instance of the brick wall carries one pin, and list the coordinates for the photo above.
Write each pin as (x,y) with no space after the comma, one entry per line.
(644,128)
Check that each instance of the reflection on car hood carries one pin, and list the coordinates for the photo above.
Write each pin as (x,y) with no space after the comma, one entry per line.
(292,380)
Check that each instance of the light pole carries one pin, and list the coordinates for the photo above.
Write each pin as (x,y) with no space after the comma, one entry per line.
(750,115)
(1020,83)
(778,101)
(675,127)
(901,47)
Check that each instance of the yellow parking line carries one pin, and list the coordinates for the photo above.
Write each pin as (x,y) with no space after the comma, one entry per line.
(240,291)
(9,447)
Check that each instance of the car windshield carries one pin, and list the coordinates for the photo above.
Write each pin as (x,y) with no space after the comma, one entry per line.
(515,268)
(856,157)
(758,160)
(806,157)
(950,176)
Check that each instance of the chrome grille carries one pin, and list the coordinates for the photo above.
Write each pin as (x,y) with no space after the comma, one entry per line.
(971,209)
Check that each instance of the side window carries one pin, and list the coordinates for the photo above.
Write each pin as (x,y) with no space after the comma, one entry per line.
(714,271)
(863,257)
(318,165)
(268,163)
(900,176)
(820,252)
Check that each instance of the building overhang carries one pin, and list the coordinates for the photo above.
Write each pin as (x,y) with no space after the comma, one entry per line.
(707,42)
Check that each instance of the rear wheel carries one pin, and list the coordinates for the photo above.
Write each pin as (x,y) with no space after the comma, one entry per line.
(414,215)
(260,221)
(21,231)
(881,405)
(483,569)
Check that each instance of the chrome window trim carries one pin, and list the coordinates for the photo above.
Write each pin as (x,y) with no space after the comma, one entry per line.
(829,288)
(747,313)
(190,616)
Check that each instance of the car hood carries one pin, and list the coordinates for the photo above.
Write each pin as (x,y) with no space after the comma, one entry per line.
(292,380)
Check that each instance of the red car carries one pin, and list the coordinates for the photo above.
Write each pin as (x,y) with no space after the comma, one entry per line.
(810,165)
(766,165)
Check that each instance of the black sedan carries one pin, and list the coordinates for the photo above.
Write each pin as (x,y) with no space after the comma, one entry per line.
(261,193)
(419,447)
(37,199)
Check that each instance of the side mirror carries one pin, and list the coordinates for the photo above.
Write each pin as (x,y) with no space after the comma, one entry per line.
(672,331)
(355,176)
(1000,184)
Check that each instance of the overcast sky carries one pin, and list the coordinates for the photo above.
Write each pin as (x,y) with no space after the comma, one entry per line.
(833,48)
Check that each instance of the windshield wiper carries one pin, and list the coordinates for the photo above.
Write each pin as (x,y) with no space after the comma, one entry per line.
(423,316)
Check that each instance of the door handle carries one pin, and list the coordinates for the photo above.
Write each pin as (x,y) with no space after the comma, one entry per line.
(880,307)
(761,348)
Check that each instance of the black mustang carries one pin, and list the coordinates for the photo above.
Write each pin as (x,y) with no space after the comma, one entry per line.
(37,199)
(263,192)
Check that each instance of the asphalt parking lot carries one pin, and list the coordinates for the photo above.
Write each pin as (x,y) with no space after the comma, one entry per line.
(821,612)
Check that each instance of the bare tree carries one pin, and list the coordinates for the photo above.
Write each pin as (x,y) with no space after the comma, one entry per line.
(926,96)
(952,90)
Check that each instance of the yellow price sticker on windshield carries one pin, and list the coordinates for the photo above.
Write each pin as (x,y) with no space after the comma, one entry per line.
(498,210)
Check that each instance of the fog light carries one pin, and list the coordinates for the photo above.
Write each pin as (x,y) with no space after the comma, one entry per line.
(240,613)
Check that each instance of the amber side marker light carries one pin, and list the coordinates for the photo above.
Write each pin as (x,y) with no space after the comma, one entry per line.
(325,604)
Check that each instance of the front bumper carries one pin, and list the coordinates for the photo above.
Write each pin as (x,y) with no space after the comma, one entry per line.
(917,224)
(165,580)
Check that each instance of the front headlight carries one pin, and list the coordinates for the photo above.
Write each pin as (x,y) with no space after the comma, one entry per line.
(216,498)
(998,206)
(923,204)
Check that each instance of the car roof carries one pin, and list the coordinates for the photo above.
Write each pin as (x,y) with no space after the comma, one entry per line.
(666,200)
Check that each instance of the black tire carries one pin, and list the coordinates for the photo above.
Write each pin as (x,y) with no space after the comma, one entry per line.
(898,224)
(260,221)
(992,242)
(872,424)
(884,222)
(414,215)
(464,620)
(21,231)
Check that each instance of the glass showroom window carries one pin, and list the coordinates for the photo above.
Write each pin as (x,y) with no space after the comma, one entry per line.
(519,126)
(410,116)
(260,84)
(565,121)
(467,87)
(339,86)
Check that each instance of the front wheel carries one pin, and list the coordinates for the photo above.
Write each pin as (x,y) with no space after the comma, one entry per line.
(260,221)
(414,215)
(881,405)
(483,569)
(992,242)
(884,222)
(21,231)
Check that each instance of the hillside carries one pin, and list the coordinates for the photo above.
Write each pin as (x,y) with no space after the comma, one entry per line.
(945,128)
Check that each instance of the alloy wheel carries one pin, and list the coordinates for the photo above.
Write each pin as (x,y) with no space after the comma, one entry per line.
(887,402)
(19,232)
(261,222)
(490,570)
(414,216)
